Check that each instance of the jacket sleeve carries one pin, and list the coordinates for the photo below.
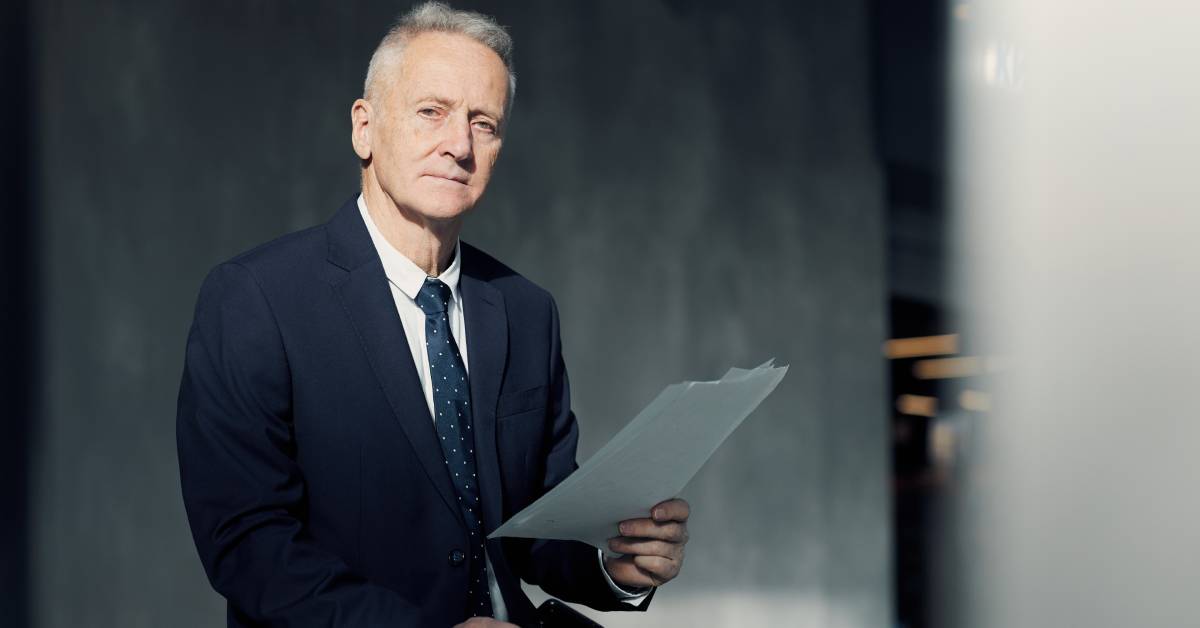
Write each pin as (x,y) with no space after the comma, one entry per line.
(568,570)
(242,488)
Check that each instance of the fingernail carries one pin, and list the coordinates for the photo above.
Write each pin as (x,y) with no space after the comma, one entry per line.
(624,528)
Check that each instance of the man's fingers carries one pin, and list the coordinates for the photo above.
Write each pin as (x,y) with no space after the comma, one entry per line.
(646,547)
(653,546)
(657,568)
(671,510)
(672,531)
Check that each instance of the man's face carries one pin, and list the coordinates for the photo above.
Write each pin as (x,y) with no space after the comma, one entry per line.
(436,129)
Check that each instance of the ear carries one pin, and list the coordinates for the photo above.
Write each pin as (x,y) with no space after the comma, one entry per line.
(360,128)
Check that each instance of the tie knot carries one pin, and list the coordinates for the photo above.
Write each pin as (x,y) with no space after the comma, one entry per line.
(434,296)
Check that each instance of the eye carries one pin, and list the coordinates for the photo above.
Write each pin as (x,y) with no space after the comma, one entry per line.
(429,112)
(486,126)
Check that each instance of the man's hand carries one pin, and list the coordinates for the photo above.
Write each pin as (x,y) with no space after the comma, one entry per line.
(485,622)
(652,547)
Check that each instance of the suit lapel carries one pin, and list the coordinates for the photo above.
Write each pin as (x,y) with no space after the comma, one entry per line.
(487,349)
(368,302)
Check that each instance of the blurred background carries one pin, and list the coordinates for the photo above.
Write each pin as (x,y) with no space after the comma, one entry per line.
(967,226)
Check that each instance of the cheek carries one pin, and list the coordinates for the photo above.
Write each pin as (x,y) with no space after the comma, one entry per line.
(404,144)
(486,160)
(480,180)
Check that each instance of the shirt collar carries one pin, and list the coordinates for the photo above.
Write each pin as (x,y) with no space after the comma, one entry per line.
(401,271)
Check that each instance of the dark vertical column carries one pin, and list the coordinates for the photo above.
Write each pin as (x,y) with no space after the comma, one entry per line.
(18,367)
(908,83)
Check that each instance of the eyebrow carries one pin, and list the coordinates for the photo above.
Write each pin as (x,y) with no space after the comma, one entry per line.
(446,102)
(437,99)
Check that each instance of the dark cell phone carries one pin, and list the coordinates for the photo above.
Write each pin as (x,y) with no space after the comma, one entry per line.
(555,614)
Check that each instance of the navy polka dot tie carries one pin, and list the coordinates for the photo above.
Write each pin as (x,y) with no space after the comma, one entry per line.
(452,417)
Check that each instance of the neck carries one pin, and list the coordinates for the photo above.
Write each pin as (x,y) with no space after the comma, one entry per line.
(428,243)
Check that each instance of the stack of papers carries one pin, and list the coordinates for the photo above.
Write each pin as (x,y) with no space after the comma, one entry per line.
(649,461)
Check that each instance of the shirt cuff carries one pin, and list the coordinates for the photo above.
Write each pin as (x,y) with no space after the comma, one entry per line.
(632,598)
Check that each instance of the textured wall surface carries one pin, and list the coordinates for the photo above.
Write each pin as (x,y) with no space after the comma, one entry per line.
(694,183)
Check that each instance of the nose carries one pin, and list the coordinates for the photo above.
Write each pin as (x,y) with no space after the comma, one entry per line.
(456,139)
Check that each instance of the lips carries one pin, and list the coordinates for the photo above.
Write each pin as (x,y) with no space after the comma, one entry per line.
(454,178)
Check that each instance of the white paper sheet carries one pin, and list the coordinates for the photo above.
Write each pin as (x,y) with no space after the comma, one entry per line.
(651,460)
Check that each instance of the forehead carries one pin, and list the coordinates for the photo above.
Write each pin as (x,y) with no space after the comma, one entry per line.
(452,67)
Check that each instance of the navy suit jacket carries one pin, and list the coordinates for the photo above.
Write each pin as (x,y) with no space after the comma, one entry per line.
(312,476)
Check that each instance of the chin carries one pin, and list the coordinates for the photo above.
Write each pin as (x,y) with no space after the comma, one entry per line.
(446,211)
(442,204)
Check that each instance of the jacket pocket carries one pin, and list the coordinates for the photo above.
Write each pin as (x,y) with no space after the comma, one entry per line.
(521,401)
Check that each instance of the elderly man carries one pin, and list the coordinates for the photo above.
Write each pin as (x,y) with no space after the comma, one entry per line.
(363,401)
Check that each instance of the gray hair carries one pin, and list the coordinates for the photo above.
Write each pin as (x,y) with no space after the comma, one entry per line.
(439,17)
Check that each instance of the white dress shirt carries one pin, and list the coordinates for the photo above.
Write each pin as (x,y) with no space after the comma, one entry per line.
(406,280)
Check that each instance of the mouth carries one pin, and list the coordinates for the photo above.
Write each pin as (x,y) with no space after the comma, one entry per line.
(452,179)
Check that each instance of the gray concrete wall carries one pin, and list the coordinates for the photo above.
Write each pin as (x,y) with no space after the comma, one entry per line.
(712,166)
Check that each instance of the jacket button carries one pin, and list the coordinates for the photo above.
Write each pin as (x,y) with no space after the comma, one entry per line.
(457,557)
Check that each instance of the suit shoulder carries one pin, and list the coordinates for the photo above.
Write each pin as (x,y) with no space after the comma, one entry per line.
(514,285)
(284,255)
